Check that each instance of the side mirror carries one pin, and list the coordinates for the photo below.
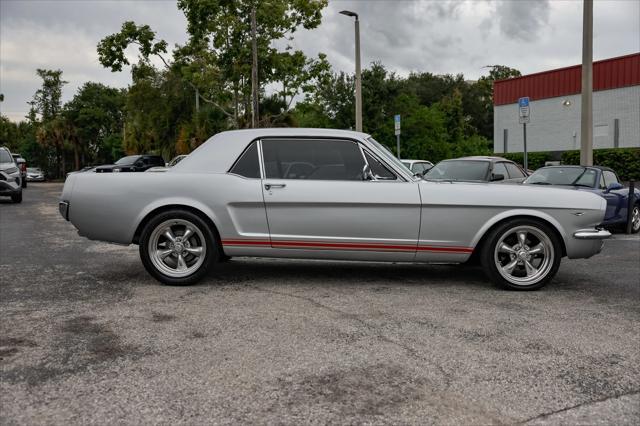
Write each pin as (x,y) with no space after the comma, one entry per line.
(366,173)
(614,187)
(496,177)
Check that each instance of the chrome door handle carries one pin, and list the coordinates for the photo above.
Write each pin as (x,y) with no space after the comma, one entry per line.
(269,186)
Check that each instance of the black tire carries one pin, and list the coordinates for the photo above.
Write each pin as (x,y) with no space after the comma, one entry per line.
(537,233)
(224,258)
(17,198)
(24,182)
(207,240)
(635,213)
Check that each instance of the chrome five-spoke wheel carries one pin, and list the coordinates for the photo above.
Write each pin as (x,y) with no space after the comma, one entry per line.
(178,247)
(524,255)
(521,254)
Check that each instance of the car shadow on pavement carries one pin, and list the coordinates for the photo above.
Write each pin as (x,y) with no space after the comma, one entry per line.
(294,272)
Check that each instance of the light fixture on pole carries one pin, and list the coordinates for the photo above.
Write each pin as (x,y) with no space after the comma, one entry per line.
(358,76)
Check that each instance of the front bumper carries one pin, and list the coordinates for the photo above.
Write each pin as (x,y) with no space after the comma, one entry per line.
(591,234)
(10,187)
(63,207)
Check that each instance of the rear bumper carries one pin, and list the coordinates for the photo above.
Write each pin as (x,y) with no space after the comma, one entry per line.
(591,234)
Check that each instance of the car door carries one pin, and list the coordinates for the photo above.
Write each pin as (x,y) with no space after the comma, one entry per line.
(319,197)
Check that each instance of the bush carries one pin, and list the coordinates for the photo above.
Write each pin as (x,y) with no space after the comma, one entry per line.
(624,161)
(535,160)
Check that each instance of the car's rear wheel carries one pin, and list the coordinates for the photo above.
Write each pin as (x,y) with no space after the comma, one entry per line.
(521,254)
(17,198)
(178,247)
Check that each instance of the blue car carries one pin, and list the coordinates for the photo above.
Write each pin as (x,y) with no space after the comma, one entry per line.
(599,180)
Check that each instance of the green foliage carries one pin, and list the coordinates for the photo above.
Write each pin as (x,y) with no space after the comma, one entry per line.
(624,161)
(535,160)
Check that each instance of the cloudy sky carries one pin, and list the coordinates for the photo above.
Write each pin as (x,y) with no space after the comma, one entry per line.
(436,36)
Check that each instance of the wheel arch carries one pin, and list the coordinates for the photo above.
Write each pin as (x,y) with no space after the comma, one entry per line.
(498,220)
(154,211)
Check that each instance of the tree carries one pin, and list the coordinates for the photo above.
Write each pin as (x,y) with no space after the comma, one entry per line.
(217,59)
(50,129)
(95,115)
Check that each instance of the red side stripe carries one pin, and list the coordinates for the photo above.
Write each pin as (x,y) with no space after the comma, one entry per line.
(363,246)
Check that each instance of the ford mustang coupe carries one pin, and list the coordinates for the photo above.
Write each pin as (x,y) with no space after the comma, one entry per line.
(328,194)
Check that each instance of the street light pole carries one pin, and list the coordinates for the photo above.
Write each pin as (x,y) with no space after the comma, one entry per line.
(358,73)
(586,121)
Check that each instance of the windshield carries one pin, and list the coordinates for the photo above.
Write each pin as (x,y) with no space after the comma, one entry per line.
(469,170)
(5,157)
(128,160)
(176,160)
(387,154)
(578,176)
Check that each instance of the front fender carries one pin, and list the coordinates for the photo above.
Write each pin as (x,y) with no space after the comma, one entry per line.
(516,213)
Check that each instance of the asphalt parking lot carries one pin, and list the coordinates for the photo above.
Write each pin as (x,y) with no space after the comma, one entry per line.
(87,337)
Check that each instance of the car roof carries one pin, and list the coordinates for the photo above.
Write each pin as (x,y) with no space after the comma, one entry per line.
(219,152)
(577,165)
(483,157)
(406,160)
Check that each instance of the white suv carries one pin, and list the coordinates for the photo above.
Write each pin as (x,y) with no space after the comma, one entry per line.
(10,178)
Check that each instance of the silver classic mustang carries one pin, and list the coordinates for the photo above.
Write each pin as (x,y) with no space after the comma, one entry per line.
(328,194)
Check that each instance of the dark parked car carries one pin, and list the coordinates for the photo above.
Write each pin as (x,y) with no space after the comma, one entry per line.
(477,169)
(22,165)
(599,180)
(132,163)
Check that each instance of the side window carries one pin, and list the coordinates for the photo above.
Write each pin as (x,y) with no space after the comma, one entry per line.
(514,171)
(603,185)
(609,177)
(378,169)
(500,169)
(314,159)
(248,165)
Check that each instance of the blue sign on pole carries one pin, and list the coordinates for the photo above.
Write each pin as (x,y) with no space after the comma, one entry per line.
(523,107)
(396,123)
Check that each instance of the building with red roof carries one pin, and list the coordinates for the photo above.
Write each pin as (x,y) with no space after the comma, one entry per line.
(555,107)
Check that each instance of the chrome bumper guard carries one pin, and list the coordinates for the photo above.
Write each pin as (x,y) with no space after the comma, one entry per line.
(63,207)
(592,234)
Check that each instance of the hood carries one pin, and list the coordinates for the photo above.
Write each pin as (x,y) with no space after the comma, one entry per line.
(8,166)
(517,196)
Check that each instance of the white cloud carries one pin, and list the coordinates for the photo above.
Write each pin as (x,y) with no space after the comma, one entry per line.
(435,36)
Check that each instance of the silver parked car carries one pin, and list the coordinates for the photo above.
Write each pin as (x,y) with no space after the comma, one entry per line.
(10,176)
(327,194)
(418,167)
(35,174)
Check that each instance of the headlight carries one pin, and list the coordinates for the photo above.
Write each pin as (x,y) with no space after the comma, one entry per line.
(11,170)
(116,170)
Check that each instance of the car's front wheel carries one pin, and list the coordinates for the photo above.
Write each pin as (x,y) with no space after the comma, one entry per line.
(521,254)
(635,219)
(178,247)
